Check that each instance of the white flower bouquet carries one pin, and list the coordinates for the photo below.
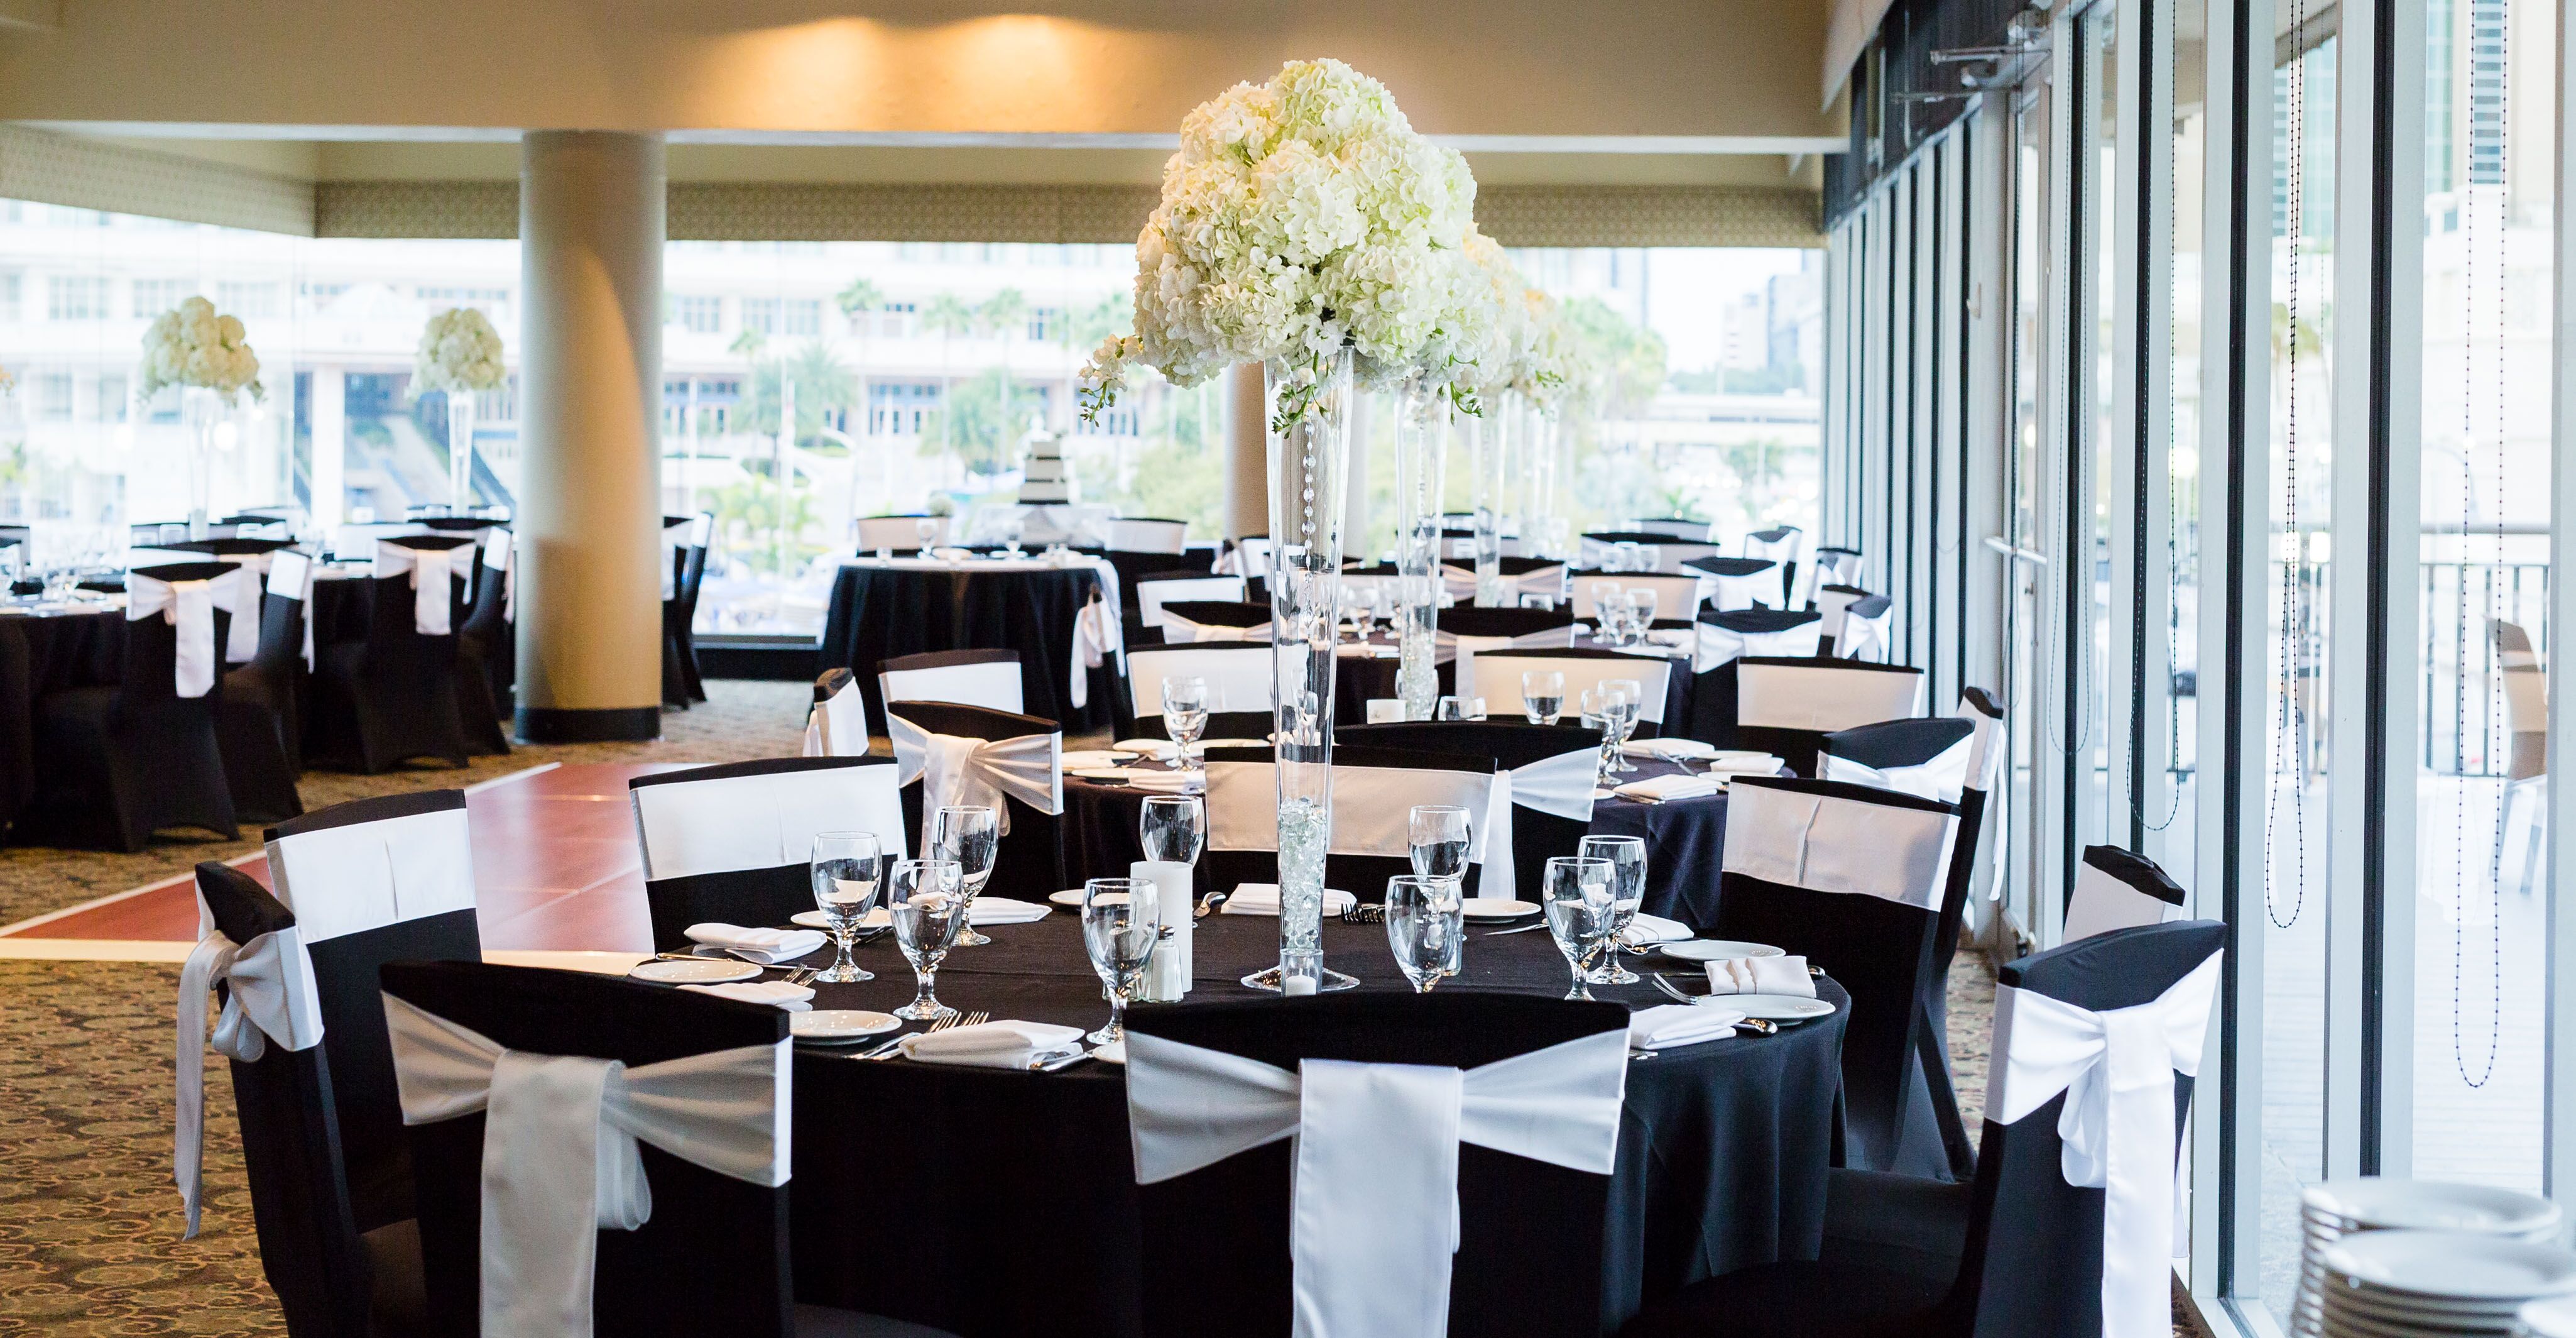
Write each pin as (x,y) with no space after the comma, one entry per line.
(192,345)
(459,350)
(1301,217)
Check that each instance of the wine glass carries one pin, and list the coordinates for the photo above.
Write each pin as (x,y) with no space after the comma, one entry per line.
(1604,595)
(1119,934)
(1622,704)
(1440,836)
(1425,928)
(1173,828)
(1588,707)
(1641,609)
(926,900)
(1542,696)
(846,867)
(1627,857)
(1579,895)
(1185,717)
(969,835)
(927,531)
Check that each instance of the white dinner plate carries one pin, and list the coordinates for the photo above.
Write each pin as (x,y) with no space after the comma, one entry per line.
(696,971)
(1148,747)
(1088,757)
(1716,949)
(2429,1205)
(2438,1264)
(1777,1007)
(826,1026)
(1071,896)
(1670,749)
(1099,773)
(1205,744)
(875,919)
(1497,908)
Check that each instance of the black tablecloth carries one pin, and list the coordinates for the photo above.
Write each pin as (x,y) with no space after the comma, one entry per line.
(1685,839)
(879,613)
(1003,1204)
(41,653)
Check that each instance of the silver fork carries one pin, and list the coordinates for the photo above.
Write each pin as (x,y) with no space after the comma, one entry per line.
(894,1045)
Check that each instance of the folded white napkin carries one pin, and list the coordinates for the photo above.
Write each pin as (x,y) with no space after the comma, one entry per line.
(765,946)
(1667,1025)
(776,993)
(1161,782)
(1091,757)
(1263,899)
(1670,750)
(1004,911)
(1149,747)
(1673,636)
(1761,975)
(1661,788)
(1644,929)
(1008,1044)
(954,554)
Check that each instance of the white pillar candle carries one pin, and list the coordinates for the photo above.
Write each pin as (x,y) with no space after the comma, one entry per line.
(1167,976)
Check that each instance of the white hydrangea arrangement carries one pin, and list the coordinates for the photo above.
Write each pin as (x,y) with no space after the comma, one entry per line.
(193,345)
(1301,217)
(459,350)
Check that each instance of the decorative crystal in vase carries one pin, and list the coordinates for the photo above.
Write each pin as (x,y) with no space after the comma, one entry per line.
(1421,445)
(460,451)
(1309,430)
(1484,459)
(202,409)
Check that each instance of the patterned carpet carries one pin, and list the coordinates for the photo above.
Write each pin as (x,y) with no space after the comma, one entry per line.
(89,1220)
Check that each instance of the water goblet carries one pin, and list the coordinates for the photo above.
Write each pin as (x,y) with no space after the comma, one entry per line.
(970,835)
(1440,837)
(1119,935)
(1641,609)
(1185,718)
(1588,707)
(1542,696)
(927,903)
(1604,595)
(846,868)
(1425,928)
(1173,828)
(1627,857)
(1621,709)
(927,531)
(1579,894)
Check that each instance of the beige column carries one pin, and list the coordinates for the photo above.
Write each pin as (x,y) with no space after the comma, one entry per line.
(1247,461)
(589,516)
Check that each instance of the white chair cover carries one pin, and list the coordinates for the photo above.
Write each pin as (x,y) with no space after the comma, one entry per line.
(892,532)
(365,875)
(1180,631)
(1723,645)
(1866,638)
(500,552)
(838,725)
(560,1154)
(764,820)
(1941,777)
(1768,588)
(1559,785)
(1372,810)
(2118,889)
(1498,680)
(1827,843)
(1824,696)
(1099,635)
(1148,536)
(433,573)
(954,770)
(2117,1071)
(1463,666)
(993,685)
(1152,595)
(1675,596)
(190,607)
(1374,1194)
(1829,566)
(1779,544)
(1237,680)
(269,997)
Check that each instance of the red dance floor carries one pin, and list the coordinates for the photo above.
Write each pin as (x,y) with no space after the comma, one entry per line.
(555,868)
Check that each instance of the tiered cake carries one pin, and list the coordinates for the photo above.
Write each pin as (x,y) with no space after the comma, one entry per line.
(1044,481)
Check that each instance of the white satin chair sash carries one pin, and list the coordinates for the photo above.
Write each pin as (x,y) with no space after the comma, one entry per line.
(954,770)
(190,607)
(1180,631)
(1372,808)
(241,642)
(269,996)
(560,1156)
(1559,785)
(1826,843)
(2117,1071)
(1374,1193)
(1099,635)
(433,572)
(1941,777)
(1719,646)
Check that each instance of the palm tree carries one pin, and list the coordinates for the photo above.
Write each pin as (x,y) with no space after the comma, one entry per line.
(861,297)
(950,318)
(998,314)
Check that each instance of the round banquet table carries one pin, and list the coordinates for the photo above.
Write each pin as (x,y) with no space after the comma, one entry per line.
(883,610)
(1022,1184)
(1685,839)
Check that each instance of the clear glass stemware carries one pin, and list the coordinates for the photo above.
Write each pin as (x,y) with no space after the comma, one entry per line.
(1542,696)
(1622,699)
(1425,928)
(1440,836)
(1185,718)
(1119,936)
(847,869)
(1627,858)
(1173,828)
(926,901)
(1580,897)
(968,835)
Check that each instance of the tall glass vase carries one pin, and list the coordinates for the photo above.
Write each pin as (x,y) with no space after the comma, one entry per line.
(201,408)
(1484,461)
(1310,441)
(460,451)
(1421,447)
(1538,510)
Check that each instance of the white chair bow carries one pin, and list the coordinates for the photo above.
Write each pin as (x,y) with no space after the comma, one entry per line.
(1559,785)
(1940,777)
(269,995)
(1180,631)
(560,1159)
(1099,634)
(2116,1069)
(242,641)
(190,607)
(1374,1193)
(954,770)
(433,572)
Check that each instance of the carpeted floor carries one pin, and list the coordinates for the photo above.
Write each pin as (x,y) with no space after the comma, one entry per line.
(89,1220)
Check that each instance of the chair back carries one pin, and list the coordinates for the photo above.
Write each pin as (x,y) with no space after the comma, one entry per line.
(1787,706)
(1374,794)
(1226,1226)
(1742,583)
(1238,677)
(2117,889)
(1829,566)
(838,724)
(904,531)
(1778,544)
(1549,767)
(763,814)
(1677,595)
(1466,621)
(17,548)
(2526,701)
(488,615)
(156,641)
(1155,592)
(713,1255)
(1031,852)
(403,564)
(1726,637)
(1498,677)
(2033,1257)
(1670,553)
(1925,756)
(1145,534)
(1851,877)
(1188,621)
(282,614)
(986,678)
(373,881)
(1696,531)
(291,1137)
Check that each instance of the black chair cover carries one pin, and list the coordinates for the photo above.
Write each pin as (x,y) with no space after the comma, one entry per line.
(486,664)
(392,696)
(1031,853)
(1883,952)
(1796,747)
(1536,836)
(125,760)
(1466,620)
(1218,612)
(2030,1244)
(1529,1254)
(1712,719)
(1363,876)
(1126,724)
(759,898)
(259,721)
(1677,677)
(682,683)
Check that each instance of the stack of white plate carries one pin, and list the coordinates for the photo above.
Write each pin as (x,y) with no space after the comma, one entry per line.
(2337,1208)
(2548,1319)
(2400,1284)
